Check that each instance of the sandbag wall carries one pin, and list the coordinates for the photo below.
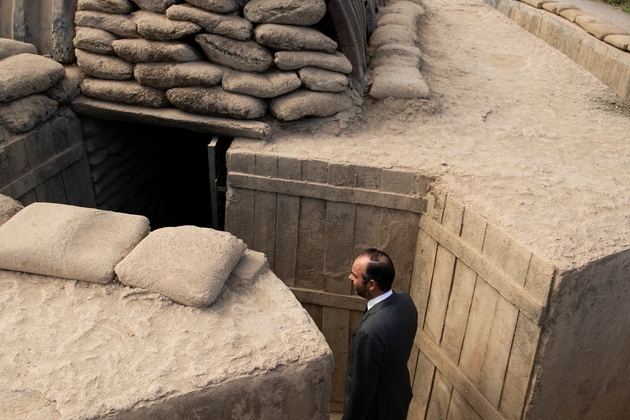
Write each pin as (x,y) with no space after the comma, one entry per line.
(212,57)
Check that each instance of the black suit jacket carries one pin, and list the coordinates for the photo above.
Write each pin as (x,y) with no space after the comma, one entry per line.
(377,379)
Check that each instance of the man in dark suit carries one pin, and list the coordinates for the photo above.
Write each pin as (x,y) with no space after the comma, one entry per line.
(377,379)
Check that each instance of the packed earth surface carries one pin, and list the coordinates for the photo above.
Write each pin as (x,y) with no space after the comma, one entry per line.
(514,130)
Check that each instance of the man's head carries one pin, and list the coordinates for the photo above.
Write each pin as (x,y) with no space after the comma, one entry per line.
(372,273)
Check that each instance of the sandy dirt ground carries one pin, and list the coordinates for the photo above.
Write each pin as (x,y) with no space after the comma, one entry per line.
(514,130)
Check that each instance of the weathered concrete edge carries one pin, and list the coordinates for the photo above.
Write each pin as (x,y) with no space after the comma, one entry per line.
(605,62)
(46,170)
(493,275)
(327,192)
(170,117)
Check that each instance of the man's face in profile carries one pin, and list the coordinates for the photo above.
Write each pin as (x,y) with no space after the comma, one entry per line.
(356,276)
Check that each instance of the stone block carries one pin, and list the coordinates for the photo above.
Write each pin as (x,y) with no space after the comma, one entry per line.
(620,41)
(156,6)
(157,27)
(393,34)
(293,60)
(9,47)
(314,171)
(128,92)
(293,38)
(217,6)
(239,55)
(115,7)
(188,264)
(8,208)
(302,103)
(145,51)
(216,101)
(170,75)
(94,40)
(103,66)
(231,26)
(26,113)
(261,85)
(287,12)
(120,25)
(29,242)
(26,74)
(321,80)
(398,82)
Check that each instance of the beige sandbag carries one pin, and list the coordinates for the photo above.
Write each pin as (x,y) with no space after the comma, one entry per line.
(188,264)
(70,242)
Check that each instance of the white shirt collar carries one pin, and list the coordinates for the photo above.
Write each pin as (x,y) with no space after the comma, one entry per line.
(379,298)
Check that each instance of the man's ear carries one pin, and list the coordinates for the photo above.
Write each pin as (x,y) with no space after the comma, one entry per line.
(371,285)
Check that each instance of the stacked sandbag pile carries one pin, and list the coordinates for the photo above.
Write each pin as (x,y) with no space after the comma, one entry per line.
(31,87)
(124,162)
(212,57)
(396,56)
(594,25)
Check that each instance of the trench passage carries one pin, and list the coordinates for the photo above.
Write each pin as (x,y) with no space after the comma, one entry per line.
(158,172)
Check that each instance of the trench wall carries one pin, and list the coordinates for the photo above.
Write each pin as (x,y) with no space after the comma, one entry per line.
(47,163)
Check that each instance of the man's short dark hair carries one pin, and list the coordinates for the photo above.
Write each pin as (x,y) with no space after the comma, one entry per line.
(380,269)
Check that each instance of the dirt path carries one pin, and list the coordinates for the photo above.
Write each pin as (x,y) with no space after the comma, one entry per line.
(514,129)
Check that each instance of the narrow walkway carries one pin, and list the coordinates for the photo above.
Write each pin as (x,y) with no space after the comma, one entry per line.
(605,11)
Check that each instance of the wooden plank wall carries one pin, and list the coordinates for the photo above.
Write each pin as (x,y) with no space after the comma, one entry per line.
(311,218)
(481,299)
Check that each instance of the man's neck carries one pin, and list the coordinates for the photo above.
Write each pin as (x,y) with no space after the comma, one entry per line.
(378,298)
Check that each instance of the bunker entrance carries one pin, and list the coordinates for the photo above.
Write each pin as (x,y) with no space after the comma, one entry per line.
(172,176)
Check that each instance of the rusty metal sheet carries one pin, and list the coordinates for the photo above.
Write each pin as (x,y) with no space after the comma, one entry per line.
(349,19)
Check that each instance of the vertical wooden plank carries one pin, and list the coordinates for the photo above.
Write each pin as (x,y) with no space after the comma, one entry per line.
(287,223)
(288,212)
(440,398)
(498,352)
(398,235)
(339,243)
(439,294)
(239,214)
(519,368)
(478,330)
(411,363)
(464,282)
(335,327)
(355,317)
(453,215)
(366,228)
(310,256)
(424,261)
(52,190)
(422,384)
(29,197)
(265,210)
(539,277)
(316,312)
(460,409)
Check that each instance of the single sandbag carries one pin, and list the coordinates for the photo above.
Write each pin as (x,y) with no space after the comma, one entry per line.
(188,264)
(215,101)
(70,242)
(261,85)
(127,92)
(170,75)
(305,103)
